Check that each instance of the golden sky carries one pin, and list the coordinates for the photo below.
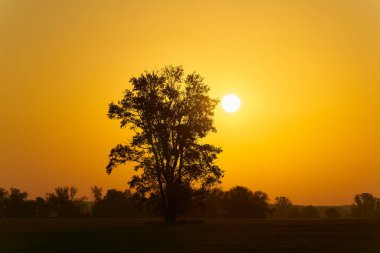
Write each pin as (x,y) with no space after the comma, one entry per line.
(307,73)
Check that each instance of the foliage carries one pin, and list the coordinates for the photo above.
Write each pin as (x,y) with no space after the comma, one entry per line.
(63,202)
(241,202)
(3,201)
(116,204)
(17,206)
(283,208)
(238,202)
(365,206)
(169,113)
(212,204)
(97,193)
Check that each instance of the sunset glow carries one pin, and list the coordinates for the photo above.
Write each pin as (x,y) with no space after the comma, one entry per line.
(306,73)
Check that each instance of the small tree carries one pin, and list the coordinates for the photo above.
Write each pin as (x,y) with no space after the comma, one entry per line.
(241,202)
(169,113)
(116,204)
(97,193)
(212,205)
(283,207)
(365,206)
(64,203)
(260,201)
(17,205)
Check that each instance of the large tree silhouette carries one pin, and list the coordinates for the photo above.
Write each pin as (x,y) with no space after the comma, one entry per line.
(168,112)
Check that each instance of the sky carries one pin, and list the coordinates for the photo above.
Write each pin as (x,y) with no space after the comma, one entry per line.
(307,74)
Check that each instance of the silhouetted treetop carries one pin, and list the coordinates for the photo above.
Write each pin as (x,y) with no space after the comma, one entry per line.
(241,202)
(283,207)
(64,203)
(365,205)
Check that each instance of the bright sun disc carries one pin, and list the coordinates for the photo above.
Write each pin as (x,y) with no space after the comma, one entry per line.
(231,103)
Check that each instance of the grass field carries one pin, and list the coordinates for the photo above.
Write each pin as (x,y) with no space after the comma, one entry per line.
(210,236)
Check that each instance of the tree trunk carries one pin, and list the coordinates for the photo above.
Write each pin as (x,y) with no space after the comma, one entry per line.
(163,197)
(171,205)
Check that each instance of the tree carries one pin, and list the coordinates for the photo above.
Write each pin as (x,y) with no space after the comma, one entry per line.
(365,206)
(97,193)
(212,203)
(3,201)
(283,207)
(64,203)
(169,113)
(116,204)
(241,202)
(17,205)
(260,202)
(14,204)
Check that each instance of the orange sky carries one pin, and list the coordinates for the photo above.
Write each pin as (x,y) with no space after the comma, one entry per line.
(307,73)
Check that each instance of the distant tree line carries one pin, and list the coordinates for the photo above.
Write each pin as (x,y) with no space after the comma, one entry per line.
(238,202)
(60,203)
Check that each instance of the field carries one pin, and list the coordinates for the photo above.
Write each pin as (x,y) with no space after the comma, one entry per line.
(209,236)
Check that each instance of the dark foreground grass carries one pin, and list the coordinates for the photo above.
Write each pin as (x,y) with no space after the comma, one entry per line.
(211,236)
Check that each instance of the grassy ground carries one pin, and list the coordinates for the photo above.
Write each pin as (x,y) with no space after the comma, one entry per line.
(211,236)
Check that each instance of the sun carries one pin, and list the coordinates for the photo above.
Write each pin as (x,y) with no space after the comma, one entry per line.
(231,103)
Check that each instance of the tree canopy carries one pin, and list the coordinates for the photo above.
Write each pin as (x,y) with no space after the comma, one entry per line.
(169,113)
(366,206)
(241,202)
